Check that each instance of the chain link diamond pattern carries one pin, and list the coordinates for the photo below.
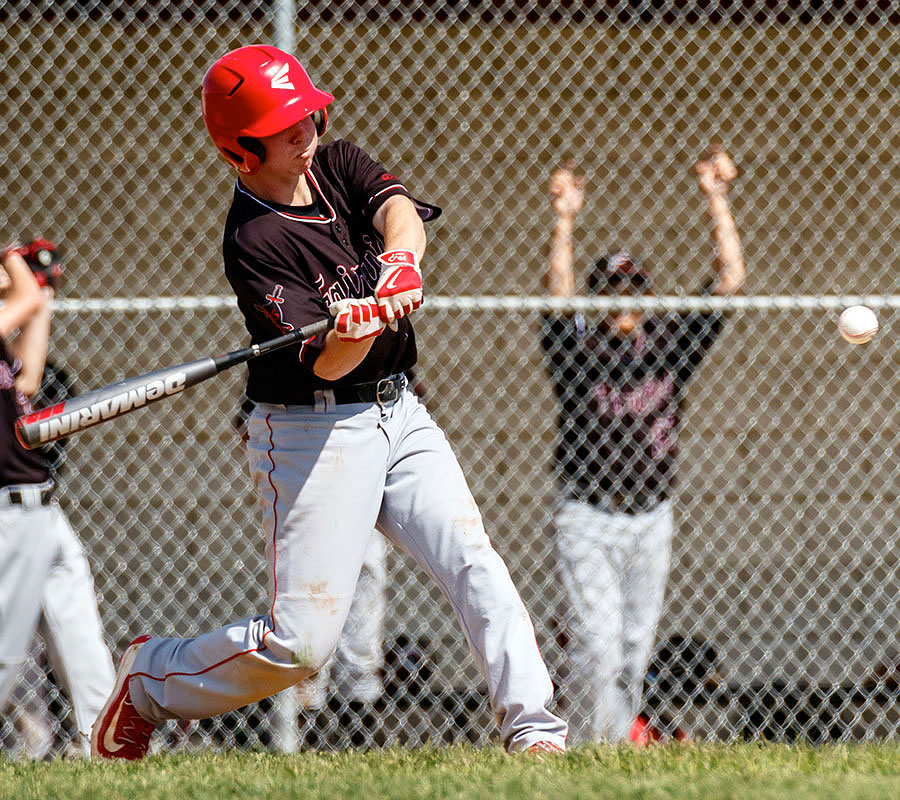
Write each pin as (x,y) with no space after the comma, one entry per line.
(785,561)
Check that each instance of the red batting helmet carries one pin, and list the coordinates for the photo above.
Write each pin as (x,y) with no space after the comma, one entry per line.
(257,91)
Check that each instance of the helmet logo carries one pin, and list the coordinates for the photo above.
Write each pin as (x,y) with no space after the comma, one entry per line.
(281,79)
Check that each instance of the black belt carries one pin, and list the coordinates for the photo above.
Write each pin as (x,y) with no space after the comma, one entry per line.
(620,503)
(387,390)
(17,497)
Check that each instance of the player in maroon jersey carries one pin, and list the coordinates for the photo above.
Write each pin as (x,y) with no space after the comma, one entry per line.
(337,442)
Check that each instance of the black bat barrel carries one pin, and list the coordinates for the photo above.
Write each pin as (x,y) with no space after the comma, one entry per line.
(114,400)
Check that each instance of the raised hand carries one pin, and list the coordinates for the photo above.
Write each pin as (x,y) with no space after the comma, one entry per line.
(567,190)
(716,171)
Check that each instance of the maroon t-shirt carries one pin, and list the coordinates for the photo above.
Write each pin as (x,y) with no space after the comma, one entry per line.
(17,465)
(287,264)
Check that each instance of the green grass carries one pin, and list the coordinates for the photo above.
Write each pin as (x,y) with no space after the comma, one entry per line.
(708,771)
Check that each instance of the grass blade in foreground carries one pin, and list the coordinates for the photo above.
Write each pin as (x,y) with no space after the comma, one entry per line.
(712,771)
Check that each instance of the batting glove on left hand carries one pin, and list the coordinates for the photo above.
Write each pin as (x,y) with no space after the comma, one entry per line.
(356,320)
(42,256)
(399,289)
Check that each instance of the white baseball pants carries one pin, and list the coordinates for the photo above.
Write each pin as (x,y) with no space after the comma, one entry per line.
(354,671)
(325,478)
(613,567)
(46,583)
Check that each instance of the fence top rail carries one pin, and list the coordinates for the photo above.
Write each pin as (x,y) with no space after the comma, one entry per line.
(517,303)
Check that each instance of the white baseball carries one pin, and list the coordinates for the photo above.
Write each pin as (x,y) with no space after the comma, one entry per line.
(858,324)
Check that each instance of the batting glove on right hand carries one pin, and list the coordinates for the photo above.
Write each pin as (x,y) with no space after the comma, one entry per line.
(356,320)
(399,289)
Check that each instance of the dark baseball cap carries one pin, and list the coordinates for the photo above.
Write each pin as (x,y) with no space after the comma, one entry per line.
(618,273)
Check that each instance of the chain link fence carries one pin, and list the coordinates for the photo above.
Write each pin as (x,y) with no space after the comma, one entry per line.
(784,570)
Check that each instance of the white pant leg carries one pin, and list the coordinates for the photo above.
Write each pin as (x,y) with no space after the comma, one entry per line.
(72,630)
(320,479)
(430,513)
(356,667)
(590,547)
(33,722)
(359,659)
(645,586)
(613,567)
(312,691)
(27,545)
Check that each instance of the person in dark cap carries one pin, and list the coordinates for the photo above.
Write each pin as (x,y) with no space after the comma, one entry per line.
(620,382)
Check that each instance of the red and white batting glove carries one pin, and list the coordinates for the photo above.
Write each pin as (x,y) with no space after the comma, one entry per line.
(399,289)
(356,320)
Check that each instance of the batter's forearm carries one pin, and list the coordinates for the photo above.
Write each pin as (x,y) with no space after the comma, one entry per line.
(559,278)
(400,224)
(729,253)
(339,358)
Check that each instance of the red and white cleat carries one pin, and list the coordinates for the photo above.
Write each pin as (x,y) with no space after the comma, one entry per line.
(120,732)
(545,748)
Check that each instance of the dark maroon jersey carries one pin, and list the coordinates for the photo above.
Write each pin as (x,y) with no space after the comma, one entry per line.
(288,264)
(17,465)
(620,405)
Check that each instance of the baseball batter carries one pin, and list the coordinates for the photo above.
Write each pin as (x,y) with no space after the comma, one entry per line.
(45,578)
(337,442)
(621,383)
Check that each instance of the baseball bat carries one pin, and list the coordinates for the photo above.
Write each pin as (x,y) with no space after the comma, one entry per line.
(108,402)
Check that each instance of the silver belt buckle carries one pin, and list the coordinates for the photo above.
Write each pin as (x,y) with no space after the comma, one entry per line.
(388,390)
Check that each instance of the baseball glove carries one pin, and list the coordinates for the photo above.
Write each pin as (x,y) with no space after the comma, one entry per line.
(43,257)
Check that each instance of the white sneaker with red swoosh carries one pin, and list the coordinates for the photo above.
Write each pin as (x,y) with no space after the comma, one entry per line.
(120,732)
